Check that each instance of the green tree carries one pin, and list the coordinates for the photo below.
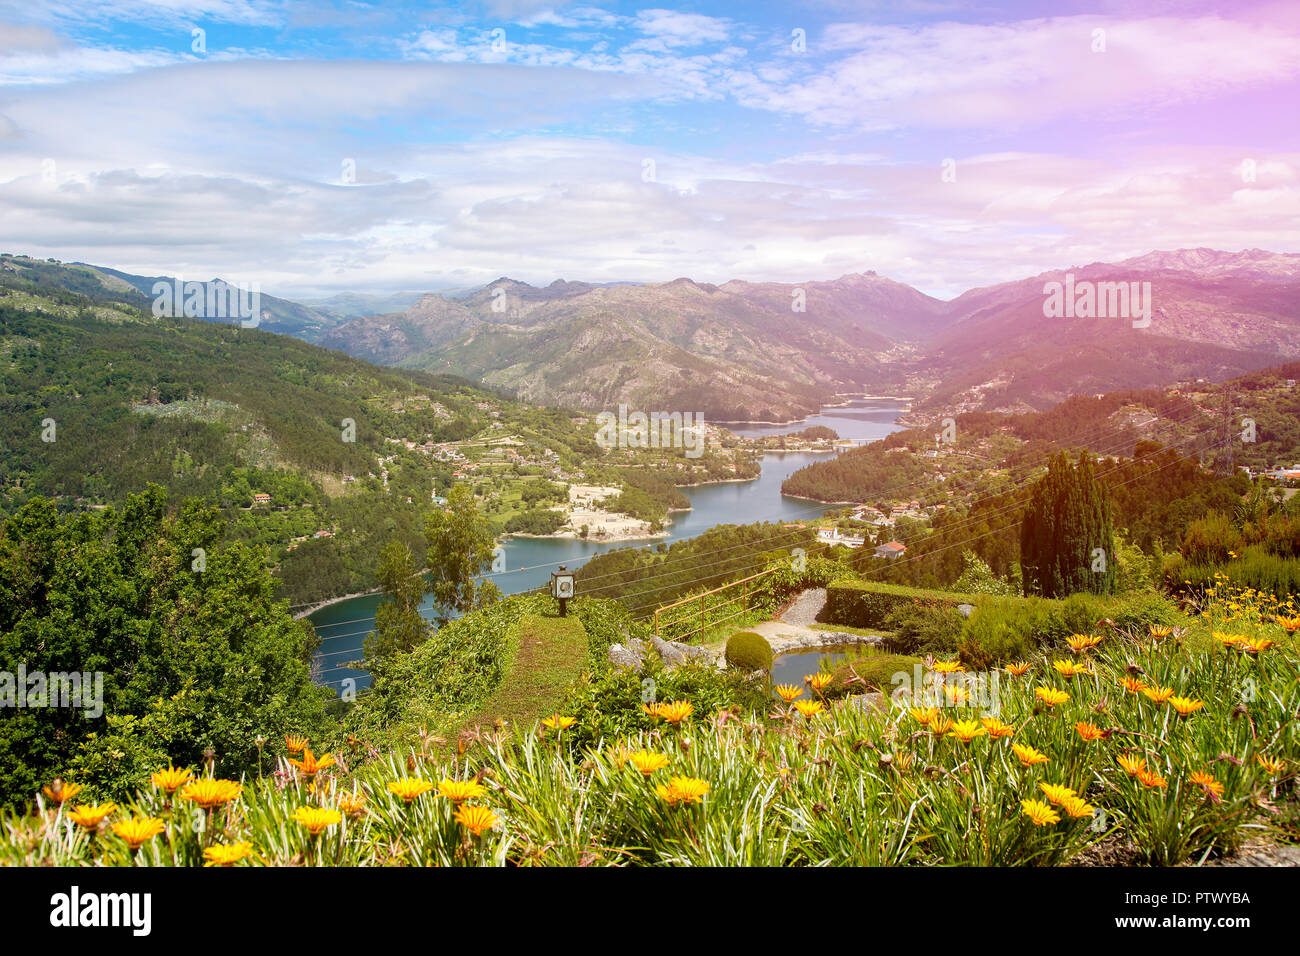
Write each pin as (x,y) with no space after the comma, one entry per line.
(1066,536)
(399,626)
(461,548)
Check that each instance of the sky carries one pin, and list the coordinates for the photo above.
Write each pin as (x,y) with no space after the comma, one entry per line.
(317,148)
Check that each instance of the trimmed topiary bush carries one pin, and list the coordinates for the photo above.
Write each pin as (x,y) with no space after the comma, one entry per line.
(749,651)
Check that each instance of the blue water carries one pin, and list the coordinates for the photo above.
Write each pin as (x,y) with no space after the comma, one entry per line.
(529,561)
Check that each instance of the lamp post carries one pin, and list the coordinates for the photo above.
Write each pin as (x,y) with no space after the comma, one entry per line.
(562,588)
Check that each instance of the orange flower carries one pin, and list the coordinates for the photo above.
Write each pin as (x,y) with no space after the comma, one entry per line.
(1186,706)
(209,794)
(1089,732)
(924,715)
(1132,765)
(1018,668)
(1133,685)
(295,743)
(1273,765)
(1289,624)
(997,728)
(1152,780)
(1082,642)
(1207,783)
(59,791)
(353,805)
(676,711)
(309,765)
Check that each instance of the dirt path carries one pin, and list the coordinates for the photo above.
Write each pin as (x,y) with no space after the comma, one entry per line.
(803,612)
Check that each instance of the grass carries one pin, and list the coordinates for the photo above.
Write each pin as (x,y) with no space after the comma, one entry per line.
(1174,745)
(550,653)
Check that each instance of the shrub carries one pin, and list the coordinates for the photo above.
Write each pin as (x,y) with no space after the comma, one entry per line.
(924,628)
(748,651)
(868,603)
(1208,540)
(872,670)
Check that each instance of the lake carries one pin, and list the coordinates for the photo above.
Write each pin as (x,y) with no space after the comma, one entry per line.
(530,561)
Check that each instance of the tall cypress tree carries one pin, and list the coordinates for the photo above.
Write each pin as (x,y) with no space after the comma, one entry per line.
(1066,536)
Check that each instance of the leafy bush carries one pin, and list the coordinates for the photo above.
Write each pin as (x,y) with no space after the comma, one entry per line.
(1209,540)
(748,651)
(869,603)
(870,671)
(924,628)
(608,705)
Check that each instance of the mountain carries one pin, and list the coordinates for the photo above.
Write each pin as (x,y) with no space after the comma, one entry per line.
(766,351)
(349,305)
(1213,315)
(98,397)
(278,315)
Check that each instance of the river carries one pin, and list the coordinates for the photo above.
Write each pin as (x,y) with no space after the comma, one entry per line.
(529,561)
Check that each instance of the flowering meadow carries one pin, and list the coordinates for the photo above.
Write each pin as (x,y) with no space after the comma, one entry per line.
(1167,747)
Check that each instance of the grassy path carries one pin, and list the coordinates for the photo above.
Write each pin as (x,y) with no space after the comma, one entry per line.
(550,653)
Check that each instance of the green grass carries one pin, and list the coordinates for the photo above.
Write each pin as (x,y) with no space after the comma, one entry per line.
(550,653)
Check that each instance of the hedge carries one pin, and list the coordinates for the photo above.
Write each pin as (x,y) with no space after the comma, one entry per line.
(868,603)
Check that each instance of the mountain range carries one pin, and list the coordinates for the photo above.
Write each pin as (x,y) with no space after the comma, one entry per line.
(778,351)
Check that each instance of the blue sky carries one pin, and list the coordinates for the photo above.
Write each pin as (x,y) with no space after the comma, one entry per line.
(318,147)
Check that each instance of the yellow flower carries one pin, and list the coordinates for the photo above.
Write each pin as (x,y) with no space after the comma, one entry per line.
(924,715)
(1078,807)
(1158,694)
(956,695)
(91,817)
(997,728)
(1039,813)
(940,726)
(947,667)
(1151,779)
(227,854)
(1132,765)
(676,711)
(1229,640)
(651,709)
(1133,685)
(1289,624)
(1207,783)
(408,788)
(170,780)
(1071,669)
(316,819)
(1186,706)
(458,791)
(819,681)
(295,743)
(59,791)
(648,762)
(1254,646)
(683,790)
(967,730)
(1159,632)
(1028,755)
(1272,764)
(809,708)
(1018,668)
(1056,792)
(208,793)
(353,805)
(1051,696)
(475,819)
(559,722)
(309,765)
(1082,642)
(139,830)
(1089,732)
(788,692)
